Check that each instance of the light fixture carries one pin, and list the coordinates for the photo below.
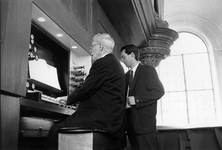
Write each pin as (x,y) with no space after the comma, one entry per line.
(74,47)
(41,19)
(59,35)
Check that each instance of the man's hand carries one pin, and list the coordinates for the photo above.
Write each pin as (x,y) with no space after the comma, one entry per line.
(127,105)
(61,100)
(131,100)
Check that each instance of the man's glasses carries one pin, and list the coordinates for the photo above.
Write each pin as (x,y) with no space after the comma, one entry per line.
(93,45)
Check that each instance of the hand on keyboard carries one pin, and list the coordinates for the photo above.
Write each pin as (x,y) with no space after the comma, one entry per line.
(61,100)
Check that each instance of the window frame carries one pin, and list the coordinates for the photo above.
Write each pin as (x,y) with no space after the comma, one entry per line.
(215,88)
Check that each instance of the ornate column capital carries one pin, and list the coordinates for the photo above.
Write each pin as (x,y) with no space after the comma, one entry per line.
(159,43)
(153,55)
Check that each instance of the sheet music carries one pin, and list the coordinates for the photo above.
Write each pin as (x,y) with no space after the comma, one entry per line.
(42,72)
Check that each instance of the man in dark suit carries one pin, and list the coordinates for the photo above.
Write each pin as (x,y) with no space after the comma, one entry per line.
(142,95)
(101,96)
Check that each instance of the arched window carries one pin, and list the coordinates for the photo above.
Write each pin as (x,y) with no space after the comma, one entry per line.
(187,77)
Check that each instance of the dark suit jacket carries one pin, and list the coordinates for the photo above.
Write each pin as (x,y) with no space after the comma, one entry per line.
(147,89)
(101,97)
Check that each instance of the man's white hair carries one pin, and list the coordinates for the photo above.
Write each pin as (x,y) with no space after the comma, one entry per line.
(106,39)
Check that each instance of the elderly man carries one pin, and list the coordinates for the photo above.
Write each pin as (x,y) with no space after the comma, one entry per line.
(101,96)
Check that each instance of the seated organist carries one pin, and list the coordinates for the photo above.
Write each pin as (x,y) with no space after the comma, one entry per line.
(101,96)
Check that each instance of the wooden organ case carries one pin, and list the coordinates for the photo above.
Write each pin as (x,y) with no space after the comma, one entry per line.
(39,110)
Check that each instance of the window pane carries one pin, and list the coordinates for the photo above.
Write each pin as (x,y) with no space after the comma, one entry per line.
(187,44)
(186,76)
(201,106)
(171,73)
(174,108)
(197,71)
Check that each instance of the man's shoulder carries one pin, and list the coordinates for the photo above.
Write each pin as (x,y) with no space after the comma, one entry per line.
(109,61)
(107,57)
(144,66)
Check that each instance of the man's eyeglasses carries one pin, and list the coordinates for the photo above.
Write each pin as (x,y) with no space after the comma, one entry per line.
(123,57)
(91,47)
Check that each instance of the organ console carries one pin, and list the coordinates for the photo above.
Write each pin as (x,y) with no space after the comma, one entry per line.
(39,110)
(32,54)
(78,67)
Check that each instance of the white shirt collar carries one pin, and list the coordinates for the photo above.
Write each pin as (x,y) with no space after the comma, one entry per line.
(104,55)
(134,68)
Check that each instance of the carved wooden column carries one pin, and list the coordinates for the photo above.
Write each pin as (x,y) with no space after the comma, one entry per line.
(159,44)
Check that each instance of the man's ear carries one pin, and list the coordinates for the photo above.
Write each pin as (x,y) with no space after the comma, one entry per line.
(101,46)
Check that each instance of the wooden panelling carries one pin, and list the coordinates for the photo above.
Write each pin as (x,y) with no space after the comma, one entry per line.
(15,32)
(203,139)
(56,10)
(93,17)
(9,109)
(218,133)
(104,25)
(78,9)
(123,15)
(184,139)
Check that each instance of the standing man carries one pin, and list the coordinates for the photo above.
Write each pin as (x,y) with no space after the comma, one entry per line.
(101,96)
(142,96)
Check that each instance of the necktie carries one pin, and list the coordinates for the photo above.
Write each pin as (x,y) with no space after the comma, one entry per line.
(130,81)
